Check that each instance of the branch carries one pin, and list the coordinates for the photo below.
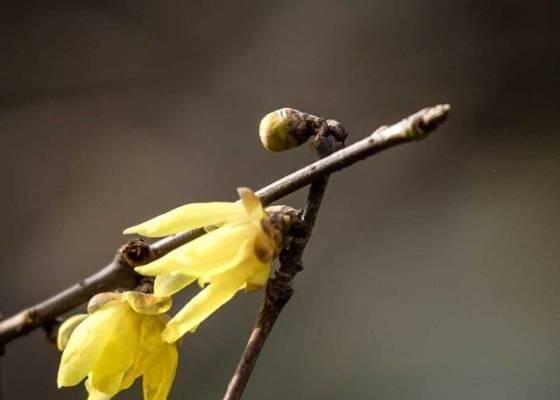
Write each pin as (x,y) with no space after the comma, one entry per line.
(119,274)
(279,289)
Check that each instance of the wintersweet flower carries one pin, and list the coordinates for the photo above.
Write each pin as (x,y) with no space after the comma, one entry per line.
(235,254)
(118,341)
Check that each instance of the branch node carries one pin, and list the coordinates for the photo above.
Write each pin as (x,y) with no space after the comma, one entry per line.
(330,136)
(30,317)
(136,252)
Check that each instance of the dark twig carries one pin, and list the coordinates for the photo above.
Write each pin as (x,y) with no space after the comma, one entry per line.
(279,289)
(120,274)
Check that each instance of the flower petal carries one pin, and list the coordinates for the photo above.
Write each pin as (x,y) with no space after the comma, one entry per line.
(159,376)
(95,394)
(87,343)
(110,382)
(66,329)
(265,247)
(118,354)
(101,299)
(188,217)
(259,278)
(201,255)
(169,283)
(150,344)
(201,307)
(245,254)
(148,304)
(251,202)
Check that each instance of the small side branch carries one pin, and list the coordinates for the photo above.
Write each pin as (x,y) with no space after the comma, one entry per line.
(119,274)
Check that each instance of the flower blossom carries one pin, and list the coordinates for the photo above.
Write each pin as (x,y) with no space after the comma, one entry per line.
(116,343)
(235,254)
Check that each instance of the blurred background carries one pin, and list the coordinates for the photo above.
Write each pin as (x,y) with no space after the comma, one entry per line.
(433,272)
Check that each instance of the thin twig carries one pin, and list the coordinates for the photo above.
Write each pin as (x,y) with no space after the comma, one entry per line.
(120,274)
(279,289)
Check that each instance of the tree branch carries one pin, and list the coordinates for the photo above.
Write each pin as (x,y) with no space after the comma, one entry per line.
(279,289)
(119,274)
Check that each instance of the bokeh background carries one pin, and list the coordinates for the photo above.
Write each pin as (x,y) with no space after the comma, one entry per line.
(433,272)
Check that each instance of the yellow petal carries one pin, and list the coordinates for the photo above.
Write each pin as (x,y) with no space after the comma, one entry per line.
(149,346)
(265,248)
(95,394)
(131,375)
(66,329)
(233,267)
(118,354)
(87,343)
(110,382)
(148,304)
(168,284)
(251,202)
(150,334)
(171,262)
(203,254)
(101,299)
(201,307)
(190,216)
(158,378)
(259,278)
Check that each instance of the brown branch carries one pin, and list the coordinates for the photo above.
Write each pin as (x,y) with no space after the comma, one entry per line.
(119,274)
(279,289)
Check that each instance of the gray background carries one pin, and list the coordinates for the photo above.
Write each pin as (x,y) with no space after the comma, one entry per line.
(433,272)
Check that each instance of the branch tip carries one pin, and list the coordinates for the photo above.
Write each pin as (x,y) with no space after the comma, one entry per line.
(430,119)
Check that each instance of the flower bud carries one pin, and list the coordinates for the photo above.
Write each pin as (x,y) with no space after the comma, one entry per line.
(287,128)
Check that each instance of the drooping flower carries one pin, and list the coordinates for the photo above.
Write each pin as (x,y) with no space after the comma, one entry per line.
(118,341)
(235,254)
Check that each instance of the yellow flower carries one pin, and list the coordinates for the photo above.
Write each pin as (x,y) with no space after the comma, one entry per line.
(117,342)
(235,256)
